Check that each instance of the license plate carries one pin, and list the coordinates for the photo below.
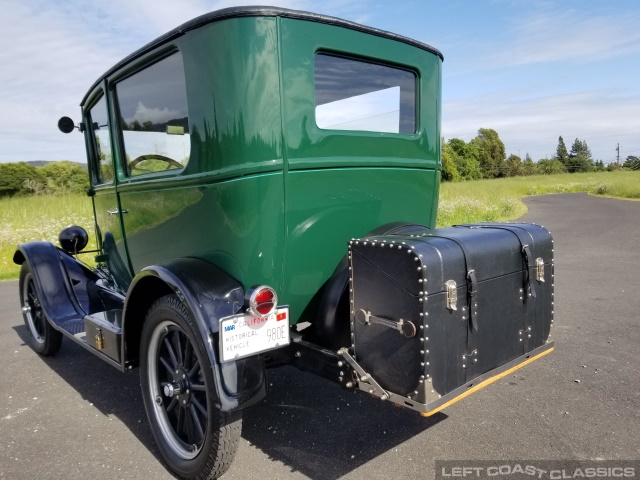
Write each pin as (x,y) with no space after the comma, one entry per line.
(244,335)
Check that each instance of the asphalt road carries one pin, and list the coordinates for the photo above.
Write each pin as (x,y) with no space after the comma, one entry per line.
(72,416)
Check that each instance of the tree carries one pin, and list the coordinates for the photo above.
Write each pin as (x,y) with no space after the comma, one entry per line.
(492,152)
(449,171)
(513,166)
(580,159)
(65,177)
(632,163)
(14,175)
(528,166)
(550,166)
(580,147)
(613,167)
(467,159)
(562,155)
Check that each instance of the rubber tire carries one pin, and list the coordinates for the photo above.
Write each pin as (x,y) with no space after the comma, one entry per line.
(49,342)
(222,435)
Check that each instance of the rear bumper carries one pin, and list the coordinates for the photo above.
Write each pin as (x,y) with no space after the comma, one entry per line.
(426,410)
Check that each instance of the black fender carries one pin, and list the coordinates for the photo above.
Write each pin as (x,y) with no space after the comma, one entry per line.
(209,294)
(52,270)
(328,311)
(67,288)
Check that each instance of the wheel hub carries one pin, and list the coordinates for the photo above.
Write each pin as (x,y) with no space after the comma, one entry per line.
(171,389)
(179,387)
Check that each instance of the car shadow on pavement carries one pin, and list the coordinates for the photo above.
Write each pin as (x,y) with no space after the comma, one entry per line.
(323,431)
(109,390)
(309,424)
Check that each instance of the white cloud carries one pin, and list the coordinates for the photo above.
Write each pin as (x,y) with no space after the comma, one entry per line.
(54,51)
(50,58)
(577,36)
(532,125)
(155,115)
(550,71)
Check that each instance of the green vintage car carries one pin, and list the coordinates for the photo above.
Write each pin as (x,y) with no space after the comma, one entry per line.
(238,163)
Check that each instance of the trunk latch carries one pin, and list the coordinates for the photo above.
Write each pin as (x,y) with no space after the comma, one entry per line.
(452,294)
(540,269)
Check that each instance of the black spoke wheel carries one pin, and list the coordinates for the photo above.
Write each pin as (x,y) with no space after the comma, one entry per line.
(195,437)
(44,339)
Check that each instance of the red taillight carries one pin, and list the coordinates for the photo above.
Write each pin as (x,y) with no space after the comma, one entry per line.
(264,296)
(262,301)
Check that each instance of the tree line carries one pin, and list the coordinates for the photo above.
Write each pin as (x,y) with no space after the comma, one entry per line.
(482,157)
(54,178)
(485,157)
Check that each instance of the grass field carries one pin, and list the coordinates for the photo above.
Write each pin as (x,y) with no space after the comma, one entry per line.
(499,200)
(25,219)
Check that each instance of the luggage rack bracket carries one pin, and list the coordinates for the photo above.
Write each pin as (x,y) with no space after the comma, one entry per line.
(364,381)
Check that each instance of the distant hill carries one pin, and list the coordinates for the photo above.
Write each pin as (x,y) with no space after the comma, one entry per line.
(42,163)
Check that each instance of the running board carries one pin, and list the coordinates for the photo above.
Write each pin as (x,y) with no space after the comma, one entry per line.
(100,333)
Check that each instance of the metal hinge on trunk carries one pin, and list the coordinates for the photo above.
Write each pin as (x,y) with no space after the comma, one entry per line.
(523,334)
(471,357)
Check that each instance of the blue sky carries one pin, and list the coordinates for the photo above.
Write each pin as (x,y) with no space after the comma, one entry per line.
(530,70)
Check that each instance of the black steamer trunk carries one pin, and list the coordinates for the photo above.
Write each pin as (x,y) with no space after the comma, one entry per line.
(435,312)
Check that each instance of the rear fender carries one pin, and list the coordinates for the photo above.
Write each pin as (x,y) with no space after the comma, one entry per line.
(209,294)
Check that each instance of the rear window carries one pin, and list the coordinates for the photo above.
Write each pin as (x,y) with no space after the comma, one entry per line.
(354,94)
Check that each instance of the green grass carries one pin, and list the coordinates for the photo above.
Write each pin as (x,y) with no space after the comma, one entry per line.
(499,200)
(25,219)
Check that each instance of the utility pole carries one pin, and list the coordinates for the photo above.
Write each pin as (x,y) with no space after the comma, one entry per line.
(618,156)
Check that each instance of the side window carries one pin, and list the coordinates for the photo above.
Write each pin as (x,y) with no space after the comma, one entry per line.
(358,95)
(153,118)
(100,126)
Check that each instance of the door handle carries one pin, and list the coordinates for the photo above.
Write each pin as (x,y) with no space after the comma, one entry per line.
(116,211)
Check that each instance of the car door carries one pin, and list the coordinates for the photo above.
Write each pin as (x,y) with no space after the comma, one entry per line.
(106,204)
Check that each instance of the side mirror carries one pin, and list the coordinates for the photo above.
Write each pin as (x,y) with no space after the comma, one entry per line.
(66,125)
(73,239)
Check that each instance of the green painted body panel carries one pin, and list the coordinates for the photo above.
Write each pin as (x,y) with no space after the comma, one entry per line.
(233,96)
(220,222)
(332,192)
(327,208)
(213,209)
(266,195)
